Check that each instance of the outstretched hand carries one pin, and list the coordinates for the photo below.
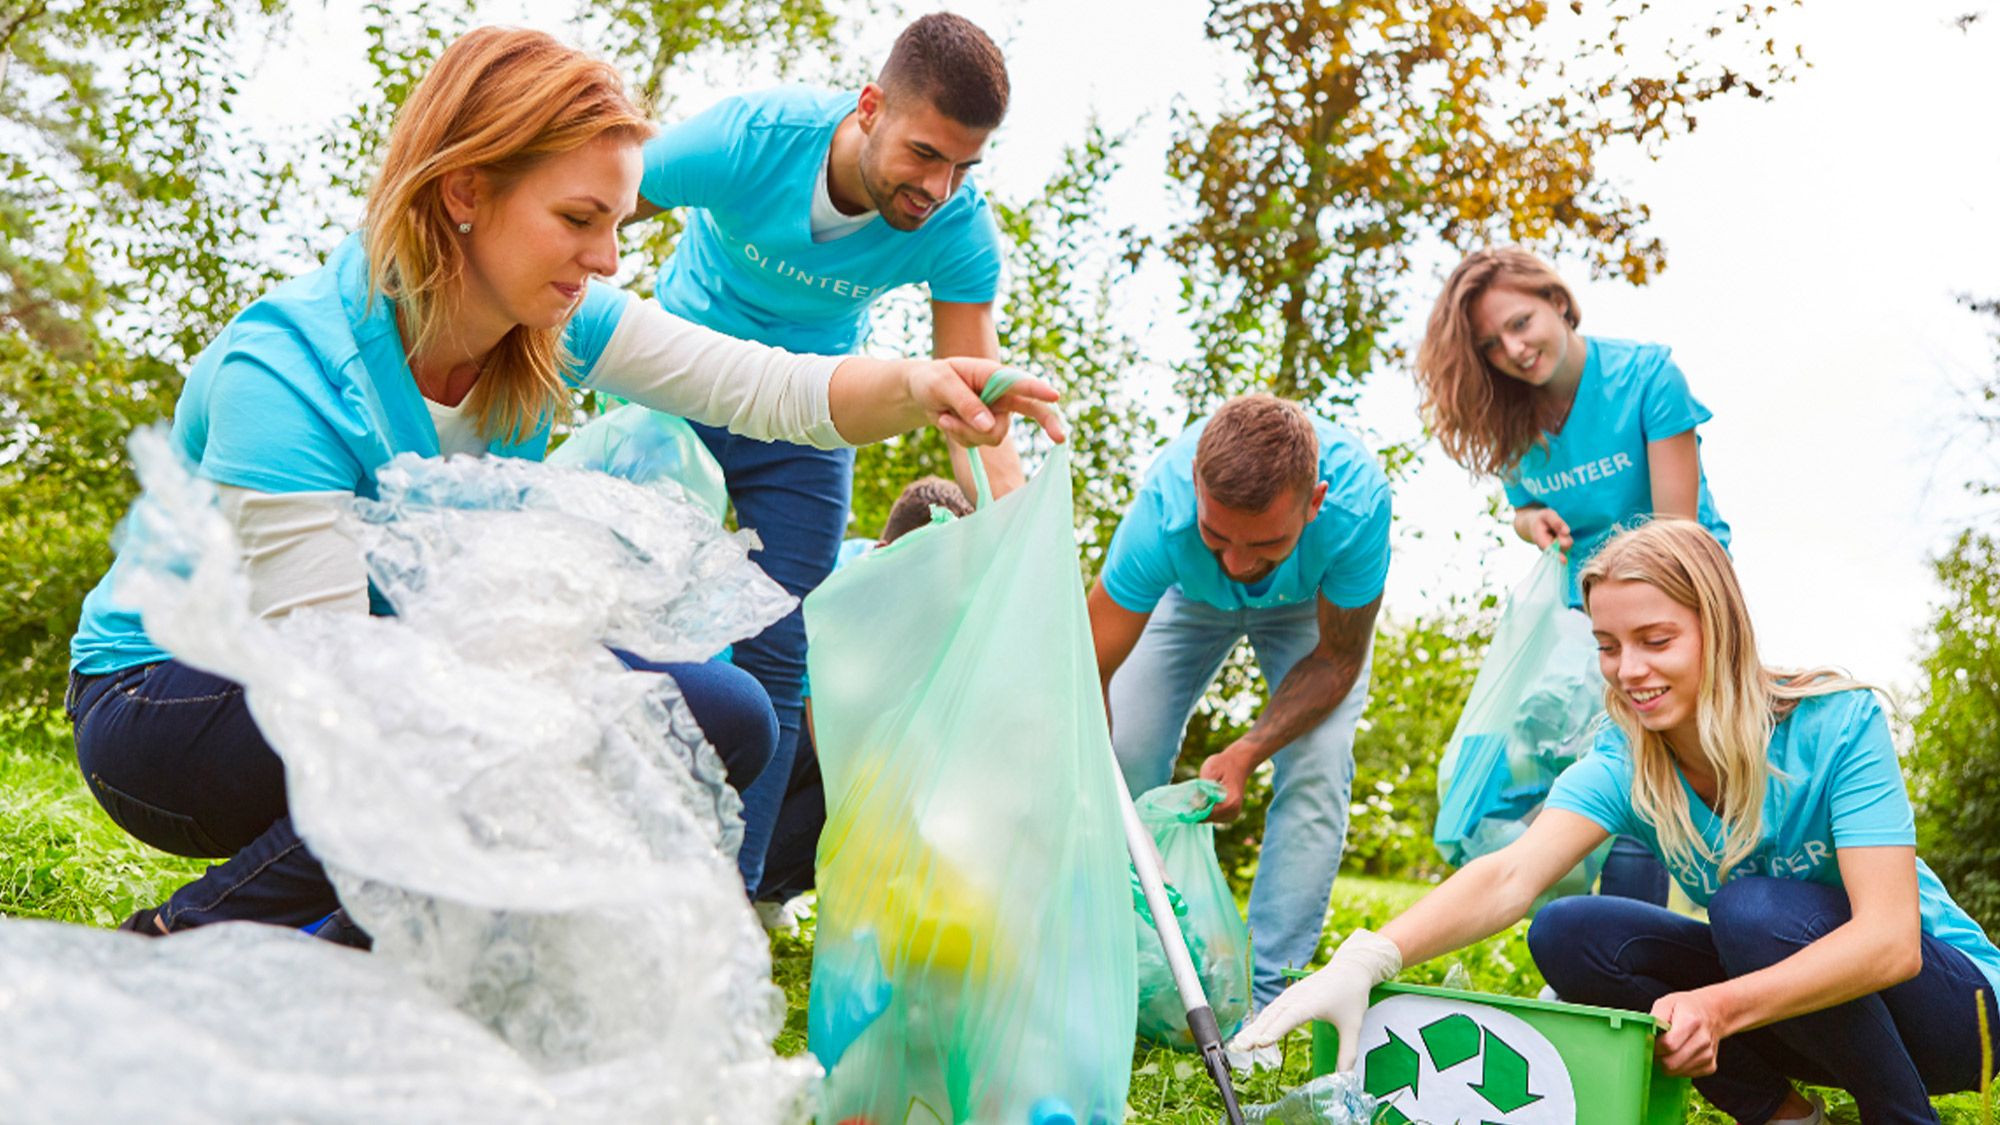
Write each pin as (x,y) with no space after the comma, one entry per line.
(1337,994)
(949,389)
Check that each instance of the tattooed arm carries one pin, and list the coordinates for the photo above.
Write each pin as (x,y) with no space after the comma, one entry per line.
(1306,696)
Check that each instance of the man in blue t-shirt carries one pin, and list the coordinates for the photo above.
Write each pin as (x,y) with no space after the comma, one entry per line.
(1268,523)
(803,207)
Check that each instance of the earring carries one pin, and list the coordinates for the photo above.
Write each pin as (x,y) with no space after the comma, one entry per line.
(465,228)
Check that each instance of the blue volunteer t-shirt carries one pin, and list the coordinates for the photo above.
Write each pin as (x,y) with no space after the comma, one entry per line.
(1594,472)
(1839,787)
(308,389)
(1343,553)
(746,263)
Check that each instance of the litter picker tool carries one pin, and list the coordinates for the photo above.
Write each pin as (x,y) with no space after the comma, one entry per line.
(1200,1017)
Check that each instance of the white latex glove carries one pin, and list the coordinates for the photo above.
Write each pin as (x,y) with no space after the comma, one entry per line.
(1337,994)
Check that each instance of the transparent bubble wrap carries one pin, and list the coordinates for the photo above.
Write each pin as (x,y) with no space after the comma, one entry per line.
(535,836)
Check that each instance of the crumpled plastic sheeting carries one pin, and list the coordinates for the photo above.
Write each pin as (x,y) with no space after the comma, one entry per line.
(531,831)
(1330,1099)
(167,1042)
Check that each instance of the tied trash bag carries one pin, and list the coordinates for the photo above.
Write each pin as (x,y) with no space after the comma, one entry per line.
(1533,710)
(645,447)
(1217,939)
(973,958)
(540,841)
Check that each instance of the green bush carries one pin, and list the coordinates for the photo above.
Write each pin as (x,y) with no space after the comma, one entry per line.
(1957,734)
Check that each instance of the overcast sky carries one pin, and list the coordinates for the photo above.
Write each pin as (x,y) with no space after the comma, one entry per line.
(1816,243)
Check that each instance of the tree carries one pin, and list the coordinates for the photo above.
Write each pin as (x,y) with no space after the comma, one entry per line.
(1958,729)
(1370,127)
(122,214)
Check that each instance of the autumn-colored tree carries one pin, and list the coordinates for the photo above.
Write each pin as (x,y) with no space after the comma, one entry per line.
(1369,128)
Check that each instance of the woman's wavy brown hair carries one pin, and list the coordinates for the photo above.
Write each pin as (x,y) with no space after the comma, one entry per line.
(499,100)
(1485,420)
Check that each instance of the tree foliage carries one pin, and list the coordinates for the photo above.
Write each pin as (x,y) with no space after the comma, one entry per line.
(1958,730)
(1367,127)
(122,222)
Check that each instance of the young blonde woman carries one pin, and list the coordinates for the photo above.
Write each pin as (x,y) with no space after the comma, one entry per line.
(1831,954)
(1587,434)
(457,321)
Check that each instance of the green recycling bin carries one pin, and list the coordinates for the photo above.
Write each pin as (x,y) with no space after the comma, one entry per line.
(1444,1055)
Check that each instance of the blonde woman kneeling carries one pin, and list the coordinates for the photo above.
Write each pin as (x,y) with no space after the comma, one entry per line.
(1831,954)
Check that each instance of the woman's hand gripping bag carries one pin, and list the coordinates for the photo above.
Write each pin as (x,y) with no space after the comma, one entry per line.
(1533,710)
(973,959)
(1217,939)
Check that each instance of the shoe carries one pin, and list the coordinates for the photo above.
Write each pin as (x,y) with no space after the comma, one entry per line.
(1816,1117)
(145,923)
(340,929)
(783,917)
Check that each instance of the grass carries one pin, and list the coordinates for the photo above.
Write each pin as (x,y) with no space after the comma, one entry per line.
(61,858)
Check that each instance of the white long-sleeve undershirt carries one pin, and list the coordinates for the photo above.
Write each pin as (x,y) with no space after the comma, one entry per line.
(296,556)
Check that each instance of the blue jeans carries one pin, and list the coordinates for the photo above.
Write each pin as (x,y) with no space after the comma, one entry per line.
(789,862)
(175,759)
(1633,871)
(1892,1050)
(1305,828)
(795,498)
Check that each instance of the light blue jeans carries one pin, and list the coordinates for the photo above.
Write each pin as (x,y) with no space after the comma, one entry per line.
(1305,828)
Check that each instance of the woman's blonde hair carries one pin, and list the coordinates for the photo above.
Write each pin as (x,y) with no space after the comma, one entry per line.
(499,101)
(1740,701)
(1485,420)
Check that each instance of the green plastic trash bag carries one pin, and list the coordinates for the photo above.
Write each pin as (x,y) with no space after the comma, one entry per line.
(1217,940)
(645,446)
(1533,710)
(973,958)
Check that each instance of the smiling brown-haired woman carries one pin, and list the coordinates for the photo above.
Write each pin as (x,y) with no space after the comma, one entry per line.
(457,322)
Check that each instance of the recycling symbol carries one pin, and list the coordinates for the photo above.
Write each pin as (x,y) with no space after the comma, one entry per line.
(1446,1062)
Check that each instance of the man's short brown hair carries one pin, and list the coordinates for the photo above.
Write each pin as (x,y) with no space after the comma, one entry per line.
(1256,449)
(912,509)
(947,61)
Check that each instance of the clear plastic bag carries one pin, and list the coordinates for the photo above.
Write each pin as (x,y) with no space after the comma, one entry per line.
(1217,939)
(1533,710)
(973,959)
(1330,1099)
(645,446)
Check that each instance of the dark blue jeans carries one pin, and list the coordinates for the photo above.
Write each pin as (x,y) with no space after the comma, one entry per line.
(1892,1050)
(1633,871)
(175,759)
(795,498)
(789,863)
